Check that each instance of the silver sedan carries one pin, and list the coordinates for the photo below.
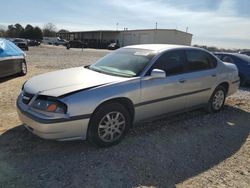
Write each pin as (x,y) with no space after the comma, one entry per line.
(101,102)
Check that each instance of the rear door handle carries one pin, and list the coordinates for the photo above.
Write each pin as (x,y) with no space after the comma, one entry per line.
(182,80)
(214,75)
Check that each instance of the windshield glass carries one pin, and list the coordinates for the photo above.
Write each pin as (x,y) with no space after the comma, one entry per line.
(126,62)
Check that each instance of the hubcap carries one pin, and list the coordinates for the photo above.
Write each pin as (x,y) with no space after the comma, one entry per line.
(24,68)
(111,126)
(218,99)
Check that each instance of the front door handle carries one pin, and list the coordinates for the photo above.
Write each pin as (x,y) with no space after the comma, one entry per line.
(182,80)
(214,75)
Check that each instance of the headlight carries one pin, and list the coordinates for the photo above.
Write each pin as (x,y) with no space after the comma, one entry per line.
(49,105)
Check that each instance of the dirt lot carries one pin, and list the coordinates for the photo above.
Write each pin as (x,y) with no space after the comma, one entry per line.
(193,149)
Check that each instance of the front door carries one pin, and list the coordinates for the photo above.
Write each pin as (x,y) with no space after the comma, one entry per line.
(163,95)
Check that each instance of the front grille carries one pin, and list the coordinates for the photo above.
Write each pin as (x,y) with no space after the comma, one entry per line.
(26,98)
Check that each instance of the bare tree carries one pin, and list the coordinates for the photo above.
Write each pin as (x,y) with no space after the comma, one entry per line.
(2,31)
(49,30)
(63,31)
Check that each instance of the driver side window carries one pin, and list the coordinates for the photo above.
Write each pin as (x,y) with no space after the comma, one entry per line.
(171,62)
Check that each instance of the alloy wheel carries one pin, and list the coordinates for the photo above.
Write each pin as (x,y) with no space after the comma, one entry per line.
(111,126)
(218,99)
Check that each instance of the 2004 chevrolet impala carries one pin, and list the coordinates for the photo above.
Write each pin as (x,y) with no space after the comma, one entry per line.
(101,102)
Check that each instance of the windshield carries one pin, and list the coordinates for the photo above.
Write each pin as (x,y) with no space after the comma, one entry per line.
(126,62)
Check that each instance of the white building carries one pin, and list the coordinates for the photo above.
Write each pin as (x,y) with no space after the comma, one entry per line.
(154,36)
(101,38)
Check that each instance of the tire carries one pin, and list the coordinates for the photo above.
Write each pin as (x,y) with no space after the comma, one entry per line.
(217,100)
(106,123)
(23,68)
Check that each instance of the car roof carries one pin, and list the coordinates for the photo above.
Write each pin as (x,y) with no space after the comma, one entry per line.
(160,47)
(229,53)
(241,56)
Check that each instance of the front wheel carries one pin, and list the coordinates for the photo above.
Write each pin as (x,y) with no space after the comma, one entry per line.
(23,71)
(217,100)
(109,125)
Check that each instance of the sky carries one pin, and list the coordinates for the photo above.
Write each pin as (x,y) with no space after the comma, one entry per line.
(220,23)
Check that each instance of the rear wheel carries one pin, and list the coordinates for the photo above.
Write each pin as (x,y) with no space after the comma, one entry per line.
(23,68)
(109,125)
(217,100)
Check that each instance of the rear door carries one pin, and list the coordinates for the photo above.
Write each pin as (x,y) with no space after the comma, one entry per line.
(201,76)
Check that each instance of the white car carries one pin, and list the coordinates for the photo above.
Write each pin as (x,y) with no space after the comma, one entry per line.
(102,101)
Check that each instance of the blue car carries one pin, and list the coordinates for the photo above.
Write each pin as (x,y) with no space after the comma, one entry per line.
(12,59)
(241,61)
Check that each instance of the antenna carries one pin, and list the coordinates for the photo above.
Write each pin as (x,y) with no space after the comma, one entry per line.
(186,29)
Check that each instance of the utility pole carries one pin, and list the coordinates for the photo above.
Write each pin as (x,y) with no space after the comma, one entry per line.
(117,26)
(156,24)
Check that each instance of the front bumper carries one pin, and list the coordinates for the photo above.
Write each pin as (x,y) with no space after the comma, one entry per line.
(47,128)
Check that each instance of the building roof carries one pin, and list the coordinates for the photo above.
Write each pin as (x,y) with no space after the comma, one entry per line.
(135,30)
(176,30)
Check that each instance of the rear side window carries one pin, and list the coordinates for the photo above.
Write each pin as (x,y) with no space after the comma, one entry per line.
(199,60)
(228,59)
(171,62)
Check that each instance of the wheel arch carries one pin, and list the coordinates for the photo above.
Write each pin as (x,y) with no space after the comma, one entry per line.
(124,101)
(225,85)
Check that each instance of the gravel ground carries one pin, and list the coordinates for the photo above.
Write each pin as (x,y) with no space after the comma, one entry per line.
(193,149)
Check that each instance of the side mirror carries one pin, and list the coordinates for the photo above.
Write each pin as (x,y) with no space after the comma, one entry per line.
(158,73)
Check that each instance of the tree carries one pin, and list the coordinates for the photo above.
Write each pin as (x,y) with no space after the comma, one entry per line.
(63,31)
(29,32)
(49,30)
(2,31)
(15,31)
(19,30)
(38,34)
(11,32)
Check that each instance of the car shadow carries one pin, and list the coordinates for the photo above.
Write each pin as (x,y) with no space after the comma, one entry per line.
(160,153)
(245,88)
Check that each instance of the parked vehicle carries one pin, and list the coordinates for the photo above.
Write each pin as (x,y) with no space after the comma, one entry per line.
(60,42)
(21,43)
(76,44)
(54,41)
(12,59)
(33,42)
(101,102)
(241,61)
(113,46)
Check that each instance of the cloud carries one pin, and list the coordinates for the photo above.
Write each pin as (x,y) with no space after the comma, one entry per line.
(220,23)
(214,22)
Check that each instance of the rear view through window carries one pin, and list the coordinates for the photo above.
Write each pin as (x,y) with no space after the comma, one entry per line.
(200,60)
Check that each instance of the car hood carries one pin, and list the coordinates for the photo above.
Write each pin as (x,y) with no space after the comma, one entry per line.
(65,81)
